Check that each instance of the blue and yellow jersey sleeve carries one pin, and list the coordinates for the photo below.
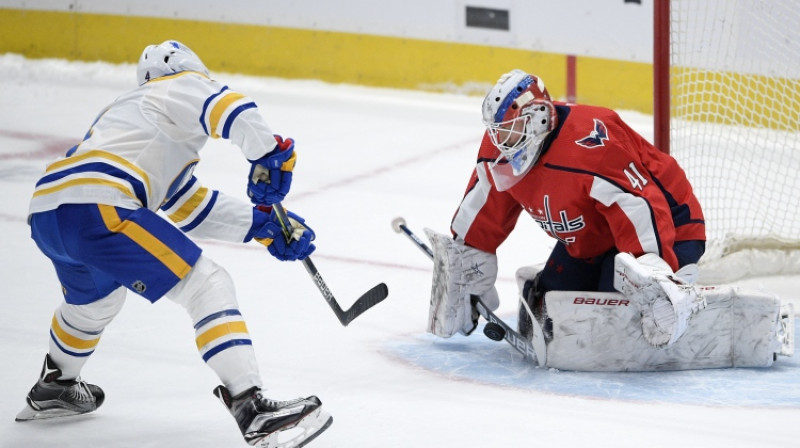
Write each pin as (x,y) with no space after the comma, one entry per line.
(220,111)
(207,213)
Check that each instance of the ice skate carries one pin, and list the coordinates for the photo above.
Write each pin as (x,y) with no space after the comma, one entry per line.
(51,397)
(268,423)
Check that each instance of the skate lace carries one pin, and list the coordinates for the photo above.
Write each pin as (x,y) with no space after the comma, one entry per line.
(269,404)
(79,392)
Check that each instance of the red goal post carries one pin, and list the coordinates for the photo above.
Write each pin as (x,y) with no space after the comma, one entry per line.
(727,107)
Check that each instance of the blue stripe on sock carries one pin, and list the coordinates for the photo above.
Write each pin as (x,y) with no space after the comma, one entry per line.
(225,345)
(217,315)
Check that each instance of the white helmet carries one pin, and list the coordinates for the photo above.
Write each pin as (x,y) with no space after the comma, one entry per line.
(165,59)
(518,115)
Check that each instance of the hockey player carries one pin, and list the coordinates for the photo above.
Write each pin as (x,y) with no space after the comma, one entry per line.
(93,213)
(606,195)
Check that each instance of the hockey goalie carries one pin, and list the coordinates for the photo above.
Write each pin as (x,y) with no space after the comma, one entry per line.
(617,291)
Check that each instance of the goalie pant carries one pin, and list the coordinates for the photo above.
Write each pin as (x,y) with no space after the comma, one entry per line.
(595,331)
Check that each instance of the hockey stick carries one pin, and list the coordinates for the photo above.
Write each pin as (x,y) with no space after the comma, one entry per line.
(369,299)
(520,343)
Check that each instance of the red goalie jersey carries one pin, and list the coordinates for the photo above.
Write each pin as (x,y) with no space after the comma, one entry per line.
(598,185)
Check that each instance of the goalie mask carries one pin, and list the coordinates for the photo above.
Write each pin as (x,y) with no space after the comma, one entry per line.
(518,115)
(167,58)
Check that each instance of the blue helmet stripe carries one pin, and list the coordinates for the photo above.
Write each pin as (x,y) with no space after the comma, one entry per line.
(513,95)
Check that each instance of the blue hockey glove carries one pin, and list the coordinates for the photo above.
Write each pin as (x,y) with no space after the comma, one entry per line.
(271,176)
(267,230)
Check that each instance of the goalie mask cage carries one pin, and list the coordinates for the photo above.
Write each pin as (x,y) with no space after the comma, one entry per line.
(727,107)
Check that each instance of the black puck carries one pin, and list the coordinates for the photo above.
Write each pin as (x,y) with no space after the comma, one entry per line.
(494,331)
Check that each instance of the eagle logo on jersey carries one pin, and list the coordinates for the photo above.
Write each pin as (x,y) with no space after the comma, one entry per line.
(596,137)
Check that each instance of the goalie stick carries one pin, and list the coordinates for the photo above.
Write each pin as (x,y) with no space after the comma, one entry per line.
(520,343)
(367,300)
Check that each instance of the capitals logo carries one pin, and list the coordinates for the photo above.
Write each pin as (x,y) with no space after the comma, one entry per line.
(596,137)
(557,227)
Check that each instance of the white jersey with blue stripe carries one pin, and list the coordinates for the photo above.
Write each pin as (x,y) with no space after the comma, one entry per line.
(142,149)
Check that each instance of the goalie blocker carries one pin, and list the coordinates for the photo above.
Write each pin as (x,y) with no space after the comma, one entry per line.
(596,331)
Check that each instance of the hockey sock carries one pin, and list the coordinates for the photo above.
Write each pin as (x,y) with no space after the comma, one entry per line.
(207,294)
(75,331)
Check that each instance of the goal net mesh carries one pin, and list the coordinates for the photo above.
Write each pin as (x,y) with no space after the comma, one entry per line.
(735,128)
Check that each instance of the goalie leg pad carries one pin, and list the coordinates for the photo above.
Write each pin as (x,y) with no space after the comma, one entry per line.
(459,271)
(595,331)
(785,330)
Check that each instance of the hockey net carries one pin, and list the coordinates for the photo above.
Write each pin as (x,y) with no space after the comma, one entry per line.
(734,126)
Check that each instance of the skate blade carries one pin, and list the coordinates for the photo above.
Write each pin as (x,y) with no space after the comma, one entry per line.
(28,414)
(298,435)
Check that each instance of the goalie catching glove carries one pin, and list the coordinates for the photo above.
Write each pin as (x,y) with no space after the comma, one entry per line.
(459,271)
(271,176)
(267,229)
(665,299)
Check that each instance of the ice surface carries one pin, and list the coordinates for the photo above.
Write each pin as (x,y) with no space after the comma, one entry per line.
(365,157)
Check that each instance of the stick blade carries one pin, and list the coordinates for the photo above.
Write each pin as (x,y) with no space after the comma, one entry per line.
(369,299)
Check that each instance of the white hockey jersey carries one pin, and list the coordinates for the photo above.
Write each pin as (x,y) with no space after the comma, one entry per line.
(142,149)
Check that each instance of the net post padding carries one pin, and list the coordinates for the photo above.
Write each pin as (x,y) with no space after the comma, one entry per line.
(738,257)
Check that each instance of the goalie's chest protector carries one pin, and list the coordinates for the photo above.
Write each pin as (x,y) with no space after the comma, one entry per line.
(591,190)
